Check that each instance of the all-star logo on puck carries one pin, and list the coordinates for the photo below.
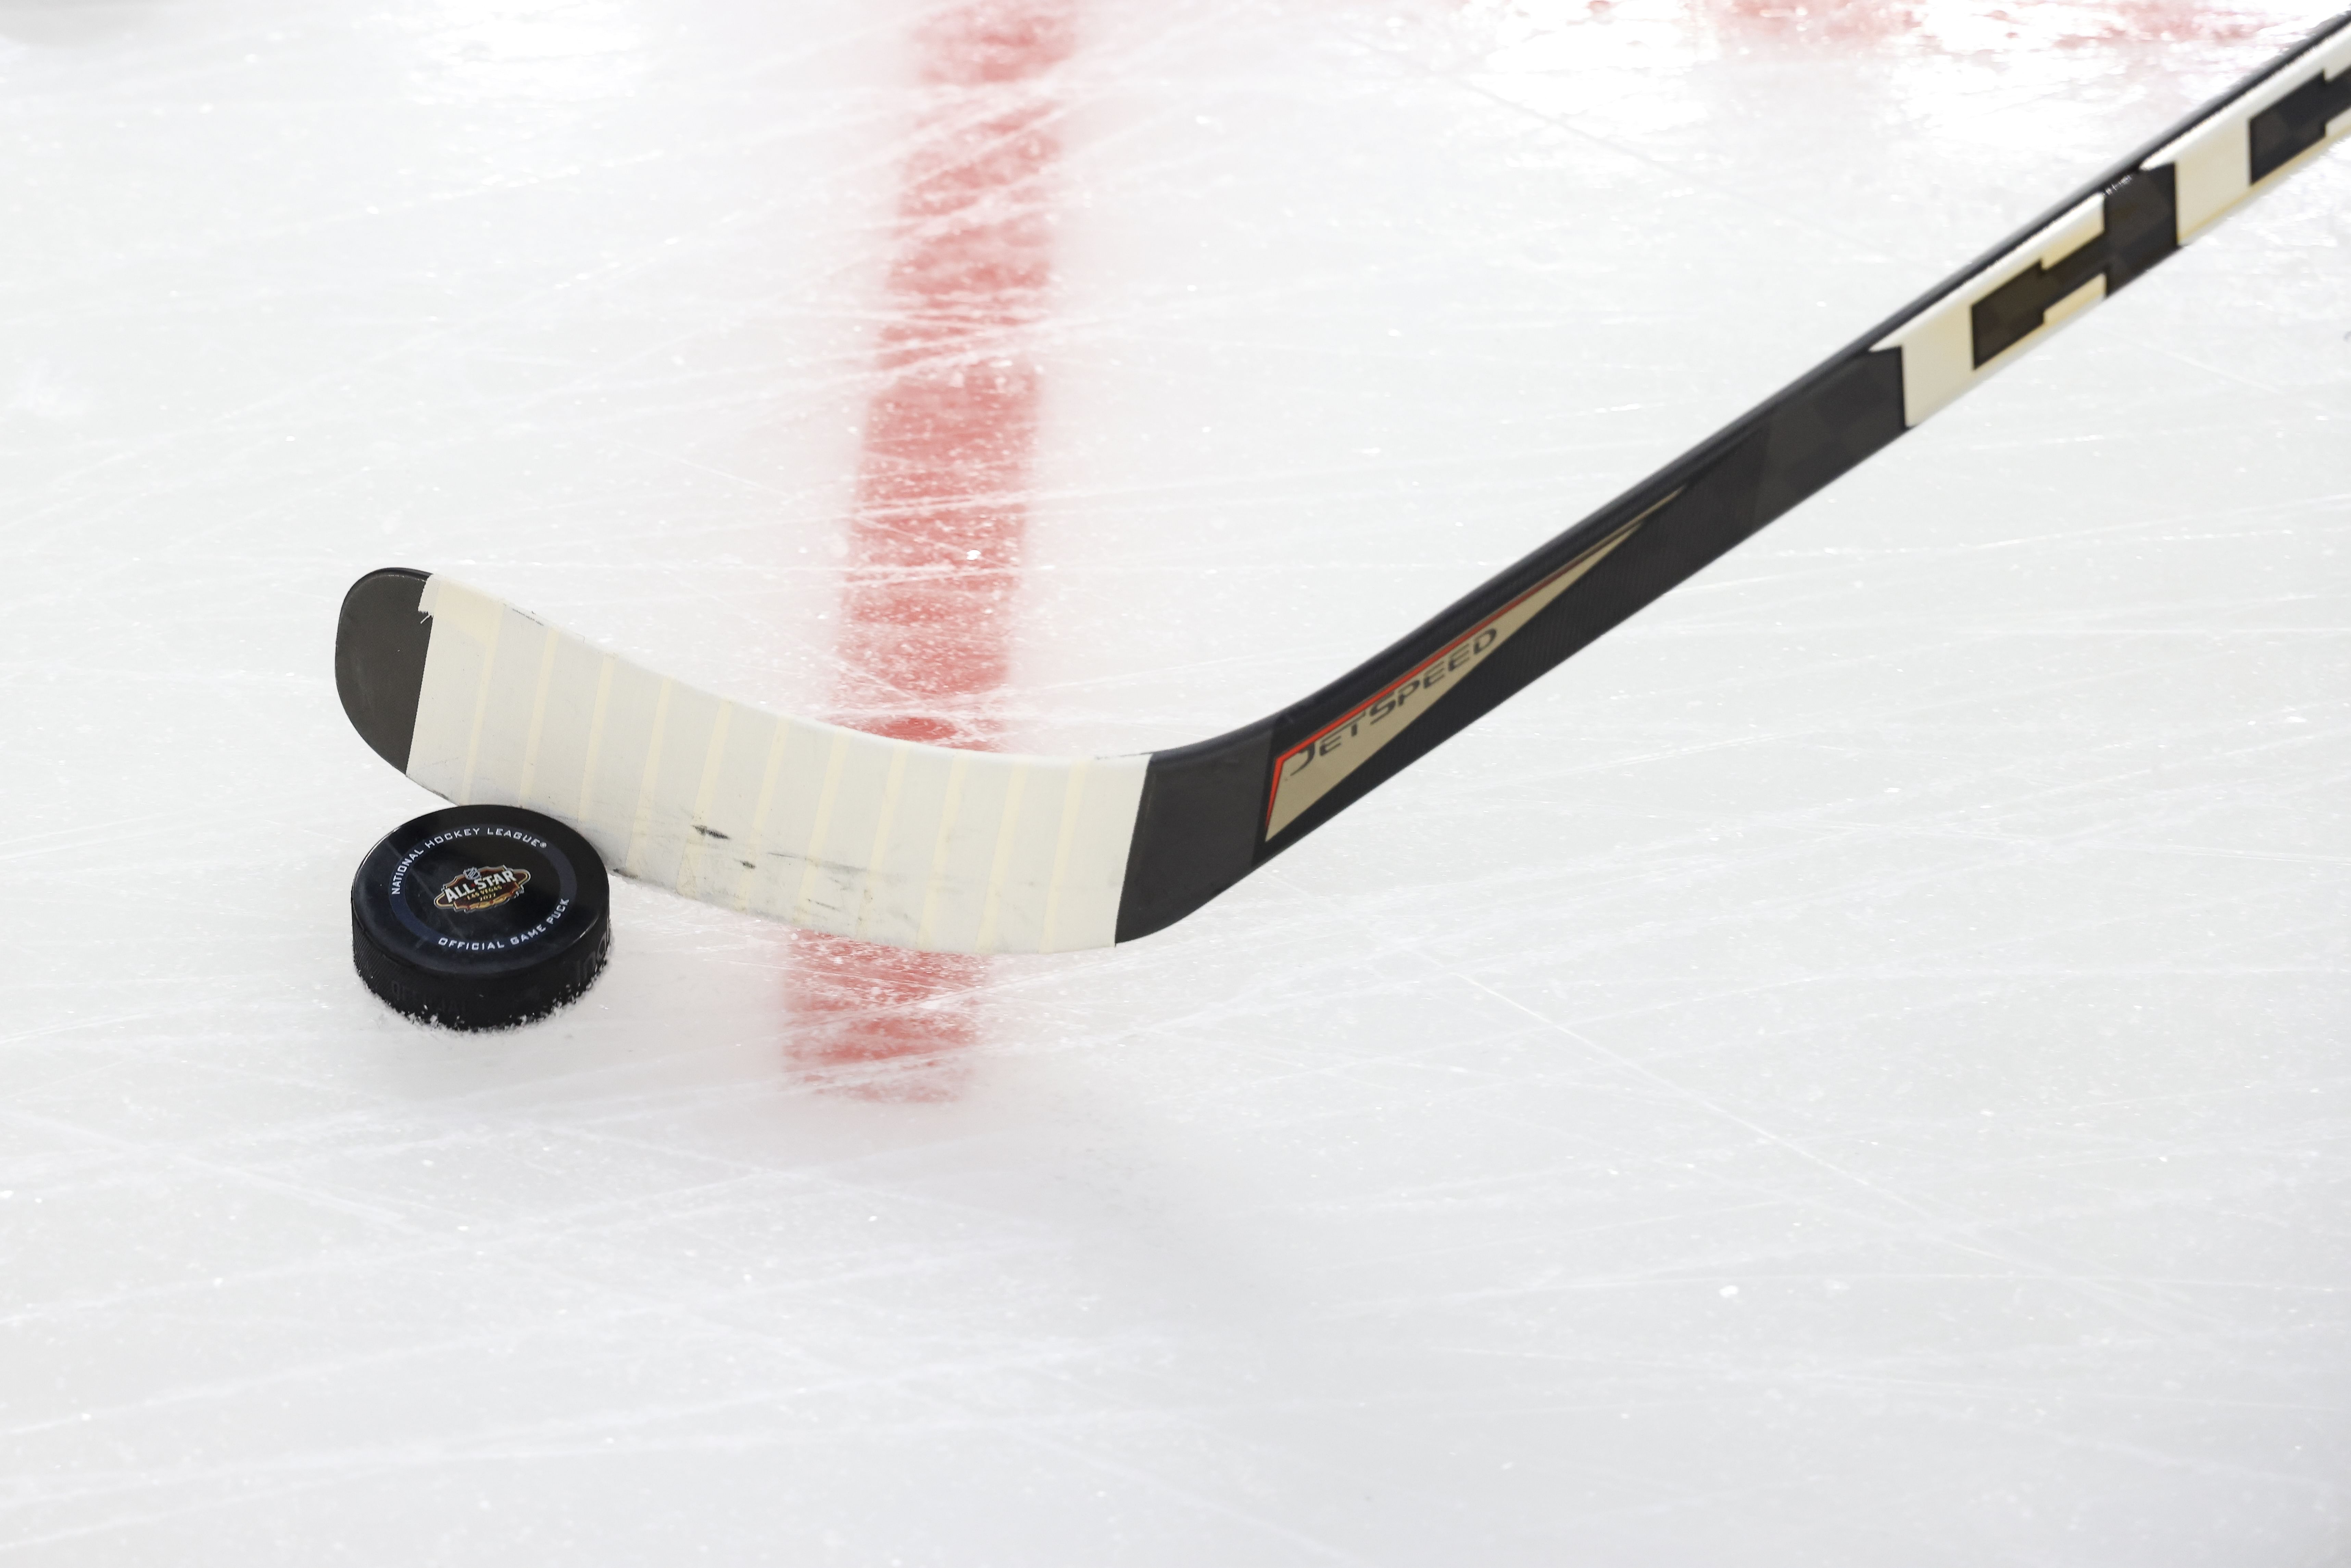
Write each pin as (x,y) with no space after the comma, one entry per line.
(480,887)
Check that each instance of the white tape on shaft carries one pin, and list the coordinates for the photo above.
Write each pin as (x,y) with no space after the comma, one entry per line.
(2212,173)
(1938,345)
(918,846)
(2212,165)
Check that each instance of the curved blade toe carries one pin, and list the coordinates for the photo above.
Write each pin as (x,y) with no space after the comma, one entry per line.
(380,644)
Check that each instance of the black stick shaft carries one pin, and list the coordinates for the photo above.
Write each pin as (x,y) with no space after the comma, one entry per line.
(1213,812)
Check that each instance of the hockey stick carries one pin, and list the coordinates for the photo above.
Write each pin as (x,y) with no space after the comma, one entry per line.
(930,847)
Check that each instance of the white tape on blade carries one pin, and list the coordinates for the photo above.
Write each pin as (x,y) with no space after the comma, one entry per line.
(918,846)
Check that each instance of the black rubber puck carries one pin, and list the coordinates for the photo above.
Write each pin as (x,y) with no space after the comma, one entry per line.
(480,916)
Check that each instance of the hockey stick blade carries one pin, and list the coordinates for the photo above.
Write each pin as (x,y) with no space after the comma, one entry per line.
(935,848)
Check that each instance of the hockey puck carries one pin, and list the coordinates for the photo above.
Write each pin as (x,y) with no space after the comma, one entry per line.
(480,916)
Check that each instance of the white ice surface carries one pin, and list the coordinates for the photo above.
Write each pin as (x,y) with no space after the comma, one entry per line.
(1853,1070)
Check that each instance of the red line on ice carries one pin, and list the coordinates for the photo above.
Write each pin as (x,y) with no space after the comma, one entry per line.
(935,540)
